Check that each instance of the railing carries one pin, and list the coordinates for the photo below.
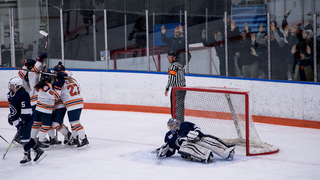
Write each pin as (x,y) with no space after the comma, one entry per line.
(158,50)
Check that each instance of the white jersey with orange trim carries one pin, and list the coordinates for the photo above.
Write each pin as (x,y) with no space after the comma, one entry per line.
(46,99)
(59,103)
(33,80)
(70,94)
(23,74)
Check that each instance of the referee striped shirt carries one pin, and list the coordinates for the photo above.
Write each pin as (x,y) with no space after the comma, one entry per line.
(176,76)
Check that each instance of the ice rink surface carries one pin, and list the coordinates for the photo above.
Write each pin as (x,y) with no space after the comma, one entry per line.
(121,145)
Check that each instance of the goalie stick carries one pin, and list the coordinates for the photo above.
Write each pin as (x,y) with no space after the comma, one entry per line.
(4,155)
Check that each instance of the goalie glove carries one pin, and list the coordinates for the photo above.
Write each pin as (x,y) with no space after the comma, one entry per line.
(193,136)
(162,151)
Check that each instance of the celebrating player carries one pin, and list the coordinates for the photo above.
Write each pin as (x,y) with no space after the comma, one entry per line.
(21,117)
(192,144)
(69,90)
(60,110)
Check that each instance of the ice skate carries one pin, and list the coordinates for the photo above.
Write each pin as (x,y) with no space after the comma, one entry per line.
(54,141)
(67,138)
(84,143)
(42,144)
(39,153)
(26,159)
(74,142)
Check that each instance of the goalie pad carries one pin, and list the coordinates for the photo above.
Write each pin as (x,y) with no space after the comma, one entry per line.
(217,146)
(194,152)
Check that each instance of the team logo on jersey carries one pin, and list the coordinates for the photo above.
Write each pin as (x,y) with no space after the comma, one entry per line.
(45,88)
(170,136)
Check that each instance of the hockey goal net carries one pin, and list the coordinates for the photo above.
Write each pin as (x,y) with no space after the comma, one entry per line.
(221,112)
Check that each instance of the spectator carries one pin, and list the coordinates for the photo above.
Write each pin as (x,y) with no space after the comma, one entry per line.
(290,40)
(310,25)
(177,43)
(87,13)
(216,41)
(139,33)
(276,50)
(247,54)
(303,62)
(233,38)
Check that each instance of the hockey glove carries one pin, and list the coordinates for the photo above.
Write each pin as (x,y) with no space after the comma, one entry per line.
(193,136)
(29,63)
(10,120)
(18,123)
(162,151)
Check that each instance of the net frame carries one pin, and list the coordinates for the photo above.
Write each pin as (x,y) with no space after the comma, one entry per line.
(249,144)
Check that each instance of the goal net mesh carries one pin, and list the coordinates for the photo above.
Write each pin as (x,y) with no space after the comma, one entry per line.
(221,112)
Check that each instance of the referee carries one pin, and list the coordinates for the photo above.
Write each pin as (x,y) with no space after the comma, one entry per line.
(176,79)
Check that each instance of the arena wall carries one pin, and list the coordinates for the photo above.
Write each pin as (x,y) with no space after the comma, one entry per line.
(274,102)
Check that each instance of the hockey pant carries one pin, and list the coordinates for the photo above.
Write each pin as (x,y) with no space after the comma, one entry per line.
(194,152)
(216,145)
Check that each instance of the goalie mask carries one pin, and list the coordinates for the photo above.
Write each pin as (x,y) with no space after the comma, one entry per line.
(173,125)
(14,84)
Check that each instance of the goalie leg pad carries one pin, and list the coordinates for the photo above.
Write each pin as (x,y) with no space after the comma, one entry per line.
(216,145)
(194,152)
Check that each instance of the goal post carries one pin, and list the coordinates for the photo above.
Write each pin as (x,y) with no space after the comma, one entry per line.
(222,112)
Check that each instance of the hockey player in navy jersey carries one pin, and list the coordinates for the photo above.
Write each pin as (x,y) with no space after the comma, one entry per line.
(21,117)
(192,144)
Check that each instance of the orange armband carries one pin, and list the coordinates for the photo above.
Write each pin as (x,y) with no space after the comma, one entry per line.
(172,72)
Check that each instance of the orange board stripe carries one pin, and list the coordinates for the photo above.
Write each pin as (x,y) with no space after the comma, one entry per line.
(166,110)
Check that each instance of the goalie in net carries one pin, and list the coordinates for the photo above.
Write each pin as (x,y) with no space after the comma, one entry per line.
(223,112)
(192,144)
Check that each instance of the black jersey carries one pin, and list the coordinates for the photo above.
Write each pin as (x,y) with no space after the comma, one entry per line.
(174,139)
(20,106)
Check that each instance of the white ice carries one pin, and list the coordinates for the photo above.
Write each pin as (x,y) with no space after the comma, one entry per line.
(121,145)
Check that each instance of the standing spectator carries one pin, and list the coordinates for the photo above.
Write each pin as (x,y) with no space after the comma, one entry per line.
(87,13)
(176,79)
(303,63)
(247,53)
(278,66)
(139,33)
(233,35)
(216,41)
(310,25)
(177,43)
(290,40)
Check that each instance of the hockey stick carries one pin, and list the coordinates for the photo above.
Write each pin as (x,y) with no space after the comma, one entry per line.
(45,34)
(29,70)
(4,155)
(4,139)
(72,38)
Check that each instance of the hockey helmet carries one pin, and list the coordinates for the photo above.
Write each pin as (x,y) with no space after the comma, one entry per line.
(15,83)
(59,67)
(173,125)
(45,74)
(173,53)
